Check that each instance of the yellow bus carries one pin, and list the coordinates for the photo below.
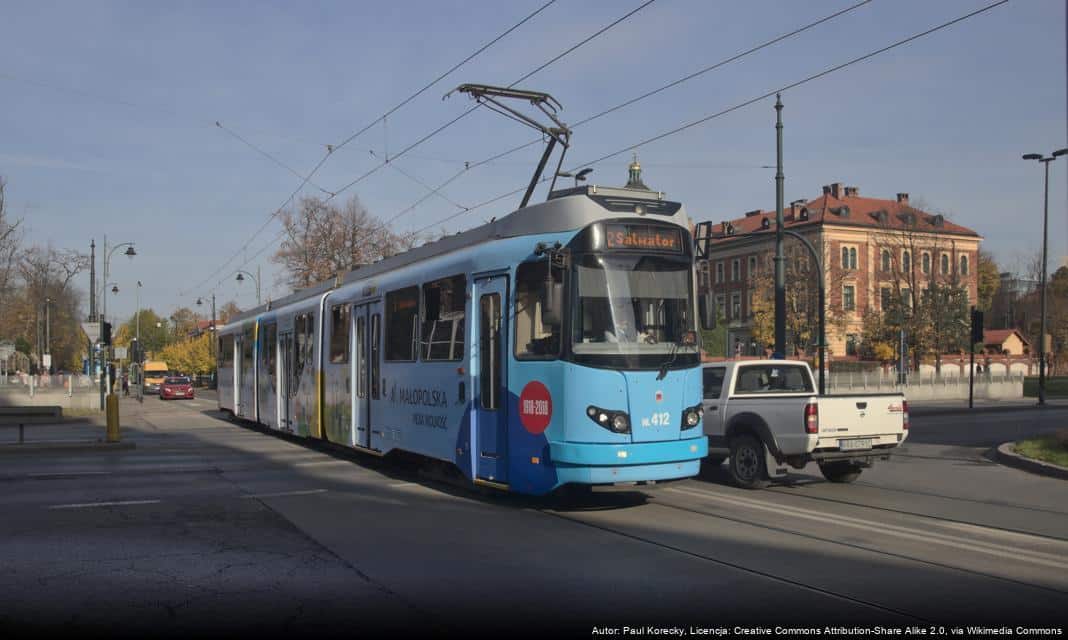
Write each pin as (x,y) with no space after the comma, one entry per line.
(155,372)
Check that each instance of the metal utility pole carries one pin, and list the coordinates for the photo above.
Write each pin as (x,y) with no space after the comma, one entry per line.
(1042,281)
(48,331)
(780,271)
(92,280)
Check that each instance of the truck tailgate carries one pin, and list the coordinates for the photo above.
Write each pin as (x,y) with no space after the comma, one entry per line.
(861,421)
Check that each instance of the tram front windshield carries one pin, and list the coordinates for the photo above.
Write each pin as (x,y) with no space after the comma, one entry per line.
(632,311)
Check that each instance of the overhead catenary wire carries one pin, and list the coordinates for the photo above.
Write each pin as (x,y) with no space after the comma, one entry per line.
(735,107)
(421,140)
(331,148)
(648,94)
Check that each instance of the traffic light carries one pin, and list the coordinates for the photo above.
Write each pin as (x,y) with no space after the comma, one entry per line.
(105,333)
(977,326)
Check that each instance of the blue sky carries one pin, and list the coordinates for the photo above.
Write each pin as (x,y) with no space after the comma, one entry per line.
(109,111)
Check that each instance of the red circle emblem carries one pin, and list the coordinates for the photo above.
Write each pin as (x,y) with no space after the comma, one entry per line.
(535,407)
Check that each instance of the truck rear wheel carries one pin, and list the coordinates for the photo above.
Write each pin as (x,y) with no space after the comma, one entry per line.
(843,472)
(747,465)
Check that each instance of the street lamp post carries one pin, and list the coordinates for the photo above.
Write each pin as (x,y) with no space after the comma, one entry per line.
(241,278)
(1042,280)
(200,301)
(105,377)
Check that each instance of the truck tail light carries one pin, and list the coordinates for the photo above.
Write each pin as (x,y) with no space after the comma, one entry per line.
(812,418)
(905,415)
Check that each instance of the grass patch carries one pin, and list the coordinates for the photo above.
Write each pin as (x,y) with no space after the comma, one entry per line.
(1055,387)
(1051,448)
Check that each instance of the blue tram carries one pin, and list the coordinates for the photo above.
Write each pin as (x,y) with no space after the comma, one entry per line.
(556,345)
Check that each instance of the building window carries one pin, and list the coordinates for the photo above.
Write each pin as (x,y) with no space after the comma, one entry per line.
(443,318)
(719,272)
(849,257)
(849,297)
(736,306)
(945,264)
(749,305)
(926,262)
(906,297)
(886,260)
(705,275)
(736,270)
(402,322)
(906,261)
(752,267)
(851,344)
(964,265)
(721,306)
(884,298)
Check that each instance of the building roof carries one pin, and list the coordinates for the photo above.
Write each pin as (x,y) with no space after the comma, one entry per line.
(999,336)
(845,207)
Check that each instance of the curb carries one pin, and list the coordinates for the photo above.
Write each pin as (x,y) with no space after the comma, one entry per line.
(949,411)
(66,445)
(1006,456)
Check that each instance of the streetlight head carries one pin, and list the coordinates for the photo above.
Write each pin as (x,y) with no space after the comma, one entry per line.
(130,252)
(1060,152)
(115,289)
(240,277)
(199,302)
(581,175)
(1033,156)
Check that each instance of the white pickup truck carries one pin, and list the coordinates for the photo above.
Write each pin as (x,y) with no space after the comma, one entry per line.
(765,414)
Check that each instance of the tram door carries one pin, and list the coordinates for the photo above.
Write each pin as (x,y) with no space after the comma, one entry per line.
(367,342)
(286,388)
(489,371)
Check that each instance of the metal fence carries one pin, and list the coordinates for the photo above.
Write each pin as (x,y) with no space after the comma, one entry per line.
(68,384)
(882,381)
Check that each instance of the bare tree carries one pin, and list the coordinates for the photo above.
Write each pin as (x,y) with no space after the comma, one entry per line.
(323,240)
(10,243)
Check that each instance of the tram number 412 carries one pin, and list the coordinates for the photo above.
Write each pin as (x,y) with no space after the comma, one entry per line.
(661,419)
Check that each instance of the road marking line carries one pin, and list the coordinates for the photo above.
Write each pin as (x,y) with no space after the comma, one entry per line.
(116,503)
(61,474)
(314,463)
(917,535)
(403,484)
(279,494)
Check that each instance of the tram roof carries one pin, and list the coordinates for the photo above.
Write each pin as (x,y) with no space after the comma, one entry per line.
(565,210)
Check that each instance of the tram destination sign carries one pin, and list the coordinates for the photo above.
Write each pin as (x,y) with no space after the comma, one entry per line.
(643,237)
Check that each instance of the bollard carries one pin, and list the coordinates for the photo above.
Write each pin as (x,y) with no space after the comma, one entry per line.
(112,410)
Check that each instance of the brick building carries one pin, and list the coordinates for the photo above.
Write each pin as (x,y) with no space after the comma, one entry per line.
(873,250)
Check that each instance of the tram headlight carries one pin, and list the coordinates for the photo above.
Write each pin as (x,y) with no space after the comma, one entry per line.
(614,421)
(691,417)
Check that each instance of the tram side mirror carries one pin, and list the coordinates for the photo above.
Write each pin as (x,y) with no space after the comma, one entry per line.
(707,312)
(552,303)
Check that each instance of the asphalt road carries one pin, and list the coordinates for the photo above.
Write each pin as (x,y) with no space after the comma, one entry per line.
(207,527)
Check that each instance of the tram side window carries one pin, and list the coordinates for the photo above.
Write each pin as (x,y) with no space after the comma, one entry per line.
(301,338)
(339,334)
(443,318)
(270,335)
(226,350)
(402,318)
(246,352)
(537,335)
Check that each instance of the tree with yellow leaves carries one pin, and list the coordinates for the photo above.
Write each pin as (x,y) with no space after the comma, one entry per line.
(190,356)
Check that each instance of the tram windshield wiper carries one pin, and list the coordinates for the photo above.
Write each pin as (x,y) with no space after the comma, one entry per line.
(670,361)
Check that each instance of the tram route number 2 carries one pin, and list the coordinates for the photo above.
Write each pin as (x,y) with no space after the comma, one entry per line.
(660,419)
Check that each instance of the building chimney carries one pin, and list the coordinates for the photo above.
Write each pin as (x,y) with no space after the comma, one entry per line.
(750,214)
(826,190)
(795,207)
(836,190)
(852,191)
(903,198)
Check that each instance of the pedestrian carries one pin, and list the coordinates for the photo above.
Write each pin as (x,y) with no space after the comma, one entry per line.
(125,385)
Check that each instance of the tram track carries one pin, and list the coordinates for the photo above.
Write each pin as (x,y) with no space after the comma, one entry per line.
(738,567)
(859,547)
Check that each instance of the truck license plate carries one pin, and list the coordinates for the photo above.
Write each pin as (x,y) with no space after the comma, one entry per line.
(855,444)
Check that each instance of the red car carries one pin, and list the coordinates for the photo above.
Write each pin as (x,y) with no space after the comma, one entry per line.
(176,387)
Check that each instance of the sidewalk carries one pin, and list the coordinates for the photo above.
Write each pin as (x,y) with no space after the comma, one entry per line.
(956,406)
